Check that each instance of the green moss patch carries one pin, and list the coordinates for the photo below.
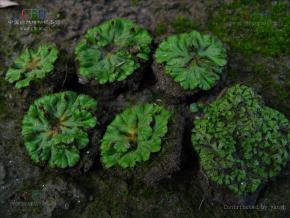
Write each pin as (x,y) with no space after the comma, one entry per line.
(179,24)
(240,141)
(113,50)
(254,27)
(133,135)
(55,128)
(182,24)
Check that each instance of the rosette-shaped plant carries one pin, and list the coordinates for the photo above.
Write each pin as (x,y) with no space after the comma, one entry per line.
(193,60)
(31,65)
(133,135)
(55,128)
(112,51)
(240,141)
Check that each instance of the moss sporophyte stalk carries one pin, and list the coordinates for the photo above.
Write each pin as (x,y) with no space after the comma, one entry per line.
(112,51)
(32,65)
(241,142)
(192,59)
(55,128)
(133,135)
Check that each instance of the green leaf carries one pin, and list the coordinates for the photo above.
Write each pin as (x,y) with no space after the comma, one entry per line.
(192,59)
(133,135)
(113,50)
(55,127)
(32,65)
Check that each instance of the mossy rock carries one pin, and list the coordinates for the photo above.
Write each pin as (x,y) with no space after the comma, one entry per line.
(241,143)
(161,163)
(269,76)
(216,193)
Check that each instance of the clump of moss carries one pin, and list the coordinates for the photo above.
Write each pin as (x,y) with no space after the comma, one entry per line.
(267,75)
(193,60)
(135,2)
(55,128)
(112,51)
(240,141)
(3,108)
(160,29)
(183,24)
(180,24)
(32,65)
(254,27)
(133,135)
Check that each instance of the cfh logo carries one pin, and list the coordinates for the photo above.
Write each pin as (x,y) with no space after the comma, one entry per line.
(33,13)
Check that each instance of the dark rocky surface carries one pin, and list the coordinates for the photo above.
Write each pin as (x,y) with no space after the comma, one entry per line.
(28,190)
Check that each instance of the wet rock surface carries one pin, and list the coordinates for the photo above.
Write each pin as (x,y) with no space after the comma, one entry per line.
(28,190)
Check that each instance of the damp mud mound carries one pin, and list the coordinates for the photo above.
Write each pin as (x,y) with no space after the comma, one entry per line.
(29,190)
